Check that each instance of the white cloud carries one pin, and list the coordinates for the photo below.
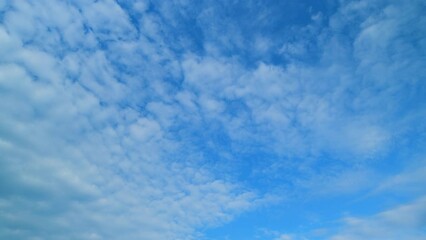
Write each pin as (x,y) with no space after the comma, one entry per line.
(405,221)
(77,165)
(410,180)
(83,177)
(348,104)
(287,102)
(284,237)
(90,98)
(108,20)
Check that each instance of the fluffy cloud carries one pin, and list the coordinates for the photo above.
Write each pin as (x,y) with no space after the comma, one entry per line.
(76,161)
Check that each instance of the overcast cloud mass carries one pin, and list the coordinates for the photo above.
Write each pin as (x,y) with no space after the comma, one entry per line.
(213,120)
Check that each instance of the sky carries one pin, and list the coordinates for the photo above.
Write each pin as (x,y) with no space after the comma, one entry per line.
(213,120)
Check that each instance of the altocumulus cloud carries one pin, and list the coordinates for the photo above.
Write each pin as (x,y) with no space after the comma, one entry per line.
(152,120)
(78,159)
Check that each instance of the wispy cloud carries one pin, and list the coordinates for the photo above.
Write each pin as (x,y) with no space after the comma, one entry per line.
(405,221)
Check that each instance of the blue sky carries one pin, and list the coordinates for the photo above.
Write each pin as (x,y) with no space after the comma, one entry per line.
(227,120)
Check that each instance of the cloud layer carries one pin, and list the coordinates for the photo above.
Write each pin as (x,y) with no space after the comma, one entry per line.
(79,158)
(142,120)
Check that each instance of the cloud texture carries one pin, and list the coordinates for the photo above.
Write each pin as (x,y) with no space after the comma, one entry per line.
(154,120)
